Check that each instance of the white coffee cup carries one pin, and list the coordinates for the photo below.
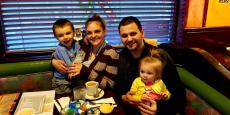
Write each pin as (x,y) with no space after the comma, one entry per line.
(92,88)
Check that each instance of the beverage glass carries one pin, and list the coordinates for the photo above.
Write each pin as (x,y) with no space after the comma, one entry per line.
(79,93)
(78,33)
(91,87)
(78,58)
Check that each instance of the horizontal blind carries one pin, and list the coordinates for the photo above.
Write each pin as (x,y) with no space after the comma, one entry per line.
(27,24)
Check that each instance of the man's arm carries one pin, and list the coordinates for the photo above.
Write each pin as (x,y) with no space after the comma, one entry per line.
(177,101)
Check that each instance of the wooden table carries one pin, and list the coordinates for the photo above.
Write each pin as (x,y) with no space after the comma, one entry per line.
(107,93)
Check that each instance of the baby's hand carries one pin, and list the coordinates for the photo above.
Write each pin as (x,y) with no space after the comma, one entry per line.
(132,92)
(145,99)
(128,98)
(164,96)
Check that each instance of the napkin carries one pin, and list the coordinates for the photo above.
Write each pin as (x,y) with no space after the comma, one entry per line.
(63,101)
(105,100)
(57,106)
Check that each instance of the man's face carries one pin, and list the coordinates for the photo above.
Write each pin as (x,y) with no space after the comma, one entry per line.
(131,36)
(64,35)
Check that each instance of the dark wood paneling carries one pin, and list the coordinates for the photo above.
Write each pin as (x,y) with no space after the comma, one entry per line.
(211,39)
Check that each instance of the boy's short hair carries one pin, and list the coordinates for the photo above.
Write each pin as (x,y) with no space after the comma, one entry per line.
(61,23)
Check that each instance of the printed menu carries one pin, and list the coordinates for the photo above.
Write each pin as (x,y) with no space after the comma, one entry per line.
(40,102)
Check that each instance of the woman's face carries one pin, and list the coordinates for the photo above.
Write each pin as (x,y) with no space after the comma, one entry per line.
(95,33)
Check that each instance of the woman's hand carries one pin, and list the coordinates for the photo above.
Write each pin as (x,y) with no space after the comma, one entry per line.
(148,109)
(60,66)
(74,70)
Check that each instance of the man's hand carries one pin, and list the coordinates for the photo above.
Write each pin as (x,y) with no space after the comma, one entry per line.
(144,109)
(60,66)
(148,110)
(129,99)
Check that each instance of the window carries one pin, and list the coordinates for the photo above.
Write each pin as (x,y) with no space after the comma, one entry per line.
(26,24)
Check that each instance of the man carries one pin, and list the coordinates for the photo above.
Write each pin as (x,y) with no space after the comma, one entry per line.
(132,36)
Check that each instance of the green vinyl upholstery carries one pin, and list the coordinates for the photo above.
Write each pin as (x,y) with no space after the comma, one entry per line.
(8,69)
(25,76)
(207,93)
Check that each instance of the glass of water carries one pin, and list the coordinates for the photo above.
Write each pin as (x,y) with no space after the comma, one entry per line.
(78,33)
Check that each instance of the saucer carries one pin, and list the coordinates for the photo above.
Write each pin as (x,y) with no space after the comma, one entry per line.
(94,98)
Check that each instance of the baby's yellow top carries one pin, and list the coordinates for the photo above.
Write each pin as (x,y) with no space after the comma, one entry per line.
(139,87)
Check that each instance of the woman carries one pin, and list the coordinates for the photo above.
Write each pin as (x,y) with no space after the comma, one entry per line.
(100,60)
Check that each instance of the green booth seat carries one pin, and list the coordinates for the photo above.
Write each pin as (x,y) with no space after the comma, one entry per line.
(207,93)
(25,76)
(9,69)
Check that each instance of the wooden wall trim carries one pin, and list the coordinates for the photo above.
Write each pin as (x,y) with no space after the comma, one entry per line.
(208,38)
(205,13)
(180,22)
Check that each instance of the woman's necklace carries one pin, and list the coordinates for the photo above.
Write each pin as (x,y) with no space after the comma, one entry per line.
(94,54)
(98,49)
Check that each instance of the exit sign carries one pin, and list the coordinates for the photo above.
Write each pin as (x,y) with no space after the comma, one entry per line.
(223,1)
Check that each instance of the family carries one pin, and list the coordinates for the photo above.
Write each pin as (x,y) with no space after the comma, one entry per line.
(142,76)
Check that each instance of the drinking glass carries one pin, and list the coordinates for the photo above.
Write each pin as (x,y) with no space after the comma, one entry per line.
(78,33)
(79,93)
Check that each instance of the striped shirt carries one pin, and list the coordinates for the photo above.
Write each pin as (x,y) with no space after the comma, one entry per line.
(103,68)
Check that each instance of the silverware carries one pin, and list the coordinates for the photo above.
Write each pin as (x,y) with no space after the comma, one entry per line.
(94,103)
(59,103)
(97,94)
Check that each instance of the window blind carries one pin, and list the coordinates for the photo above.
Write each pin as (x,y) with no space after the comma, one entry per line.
(27,24)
